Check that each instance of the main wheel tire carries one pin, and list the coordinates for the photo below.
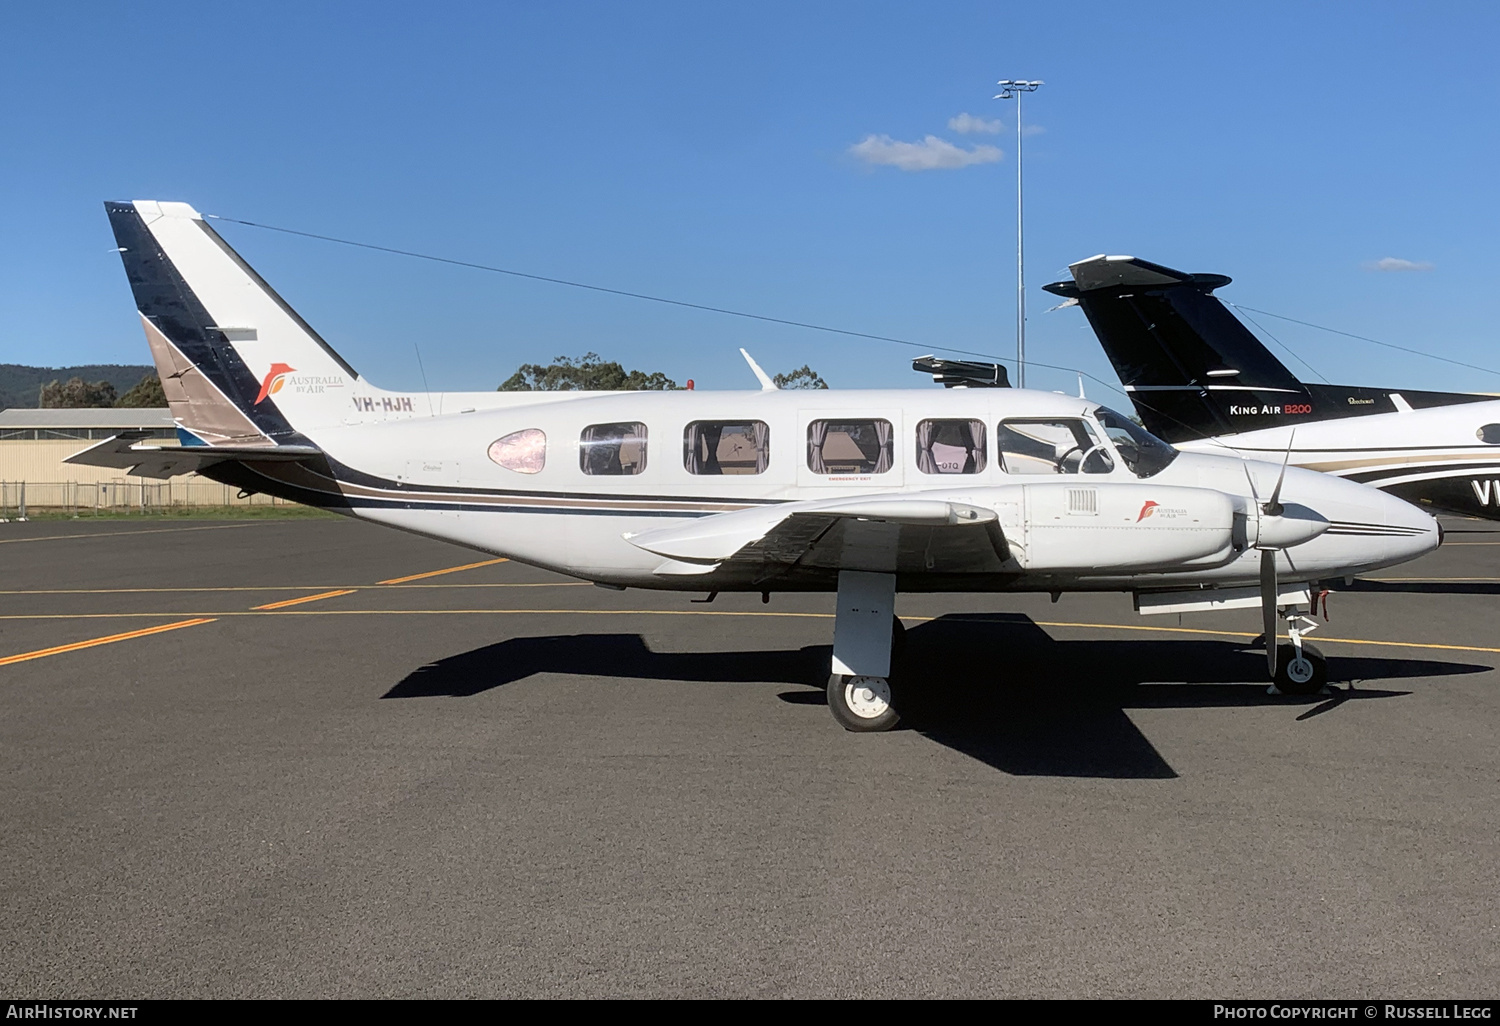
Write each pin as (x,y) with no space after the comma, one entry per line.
(898,641)
(862,704)
(1303,674)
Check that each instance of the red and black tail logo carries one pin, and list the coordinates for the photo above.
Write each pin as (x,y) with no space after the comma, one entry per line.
(273,381)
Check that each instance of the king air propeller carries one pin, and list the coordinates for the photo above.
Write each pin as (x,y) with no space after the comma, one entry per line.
(1279,527)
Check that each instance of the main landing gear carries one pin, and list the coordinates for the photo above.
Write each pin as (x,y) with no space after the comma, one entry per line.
(867,643)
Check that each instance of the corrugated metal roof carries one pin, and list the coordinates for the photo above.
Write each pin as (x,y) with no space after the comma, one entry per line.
(108,418)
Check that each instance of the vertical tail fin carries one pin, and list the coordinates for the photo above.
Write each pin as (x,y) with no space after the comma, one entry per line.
(238,365)
(1193,370)
(1187,362)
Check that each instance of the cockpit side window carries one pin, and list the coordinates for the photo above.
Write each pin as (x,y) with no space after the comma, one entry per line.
(1489,434)
(1062,445)
(1144,453)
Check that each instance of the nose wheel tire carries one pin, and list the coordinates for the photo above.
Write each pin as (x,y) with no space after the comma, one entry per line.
(1303,674)
(862,704)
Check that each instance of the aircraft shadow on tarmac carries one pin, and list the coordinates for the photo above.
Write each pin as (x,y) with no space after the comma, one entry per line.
(994,686)
(1426,587)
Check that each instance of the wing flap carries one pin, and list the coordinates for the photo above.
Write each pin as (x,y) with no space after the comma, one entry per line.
(878,533)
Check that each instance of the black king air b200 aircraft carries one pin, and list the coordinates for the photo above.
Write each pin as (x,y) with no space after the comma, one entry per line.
(1202,381)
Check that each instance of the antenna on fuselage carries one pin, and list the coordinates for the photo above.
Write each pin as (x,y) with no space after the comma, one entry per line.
(425,387)
(766,384)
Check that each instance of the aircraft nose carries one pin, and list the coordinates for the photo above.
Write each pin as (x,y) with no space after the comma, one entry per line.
(1412,528)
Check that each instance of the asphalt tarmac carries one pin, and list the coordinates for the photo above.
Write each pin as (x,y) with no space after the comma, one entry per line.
(396,779)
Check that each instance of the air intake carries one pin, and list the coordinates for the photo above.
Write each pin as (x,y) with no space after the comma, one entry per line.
(1083,502)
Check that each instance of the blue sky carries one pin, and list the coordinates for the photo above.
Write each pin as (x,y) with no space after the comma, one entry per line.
(712,152)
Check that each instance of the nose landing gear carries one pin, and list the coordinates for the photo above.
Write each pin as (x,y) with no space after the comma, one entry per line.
(1301,668)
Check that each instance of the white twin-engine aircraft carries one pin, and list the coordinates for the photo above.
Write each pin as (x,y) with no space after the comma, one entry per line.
(865,493)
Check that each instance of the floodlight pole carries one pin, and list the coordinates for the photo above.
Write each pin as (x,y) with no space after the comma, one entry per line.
(1012,89)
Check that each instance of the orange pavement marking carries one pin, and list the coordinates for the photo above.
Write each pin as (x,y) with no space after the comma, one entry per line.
(305,598)
(450,570)
(24,656)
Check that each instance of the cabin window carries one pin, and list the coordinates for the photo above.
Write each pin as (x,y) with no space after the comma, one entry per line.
(525,452)
(950,446)
(849,446)
(726,447)
(611,450)
(1061,446)
(1489,434)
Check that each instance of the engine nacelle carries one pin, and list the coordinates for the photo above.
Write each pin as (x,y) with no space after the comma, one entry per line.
(1293,526)
(1072,526)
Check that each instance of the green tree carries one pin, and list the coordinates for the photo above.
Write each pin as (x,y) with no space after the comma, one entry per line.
(802,377)
(147,393)
(75,394)
(587,373)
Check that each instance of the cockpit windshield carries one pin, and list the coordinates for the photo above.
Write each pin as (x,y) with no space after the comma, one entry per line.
(1144,453)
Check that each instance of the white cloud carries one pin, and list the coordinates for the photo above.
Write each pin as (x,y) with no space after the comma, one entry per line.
(931,154)
(964,124)
(1397,264)
(1032,130)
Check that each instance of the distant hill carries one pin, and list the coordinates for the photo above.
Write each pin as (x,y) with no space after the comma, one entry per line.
(21,385)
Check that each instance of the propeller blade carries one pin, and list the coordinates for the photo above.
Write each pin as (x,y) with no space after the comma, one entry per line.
(1268,606)
(1274,507)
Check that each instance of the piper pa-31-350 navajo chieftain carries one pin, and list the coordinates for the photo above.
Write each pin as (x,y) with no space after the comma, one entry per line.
(859,492)
(1201,380)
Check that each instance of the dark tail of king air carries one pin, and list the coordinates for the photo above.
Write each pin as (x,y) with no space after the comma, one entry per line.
(1193,370)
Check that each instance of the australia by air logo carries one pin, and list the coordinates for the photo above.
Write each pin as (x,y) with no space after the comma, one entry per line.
(280,375)
(273,381)
(1156,509)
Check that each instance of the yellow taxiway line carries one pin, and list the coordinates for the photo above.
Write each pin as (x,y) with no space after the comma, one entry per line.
(1426,580)
(450,570)
(305,598)
(726,612)
(288,587)
(75,646)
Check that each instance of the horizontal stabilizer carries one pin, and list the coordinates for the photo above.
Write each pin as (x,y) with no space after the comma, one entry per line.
(131,452)
(1102,272)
